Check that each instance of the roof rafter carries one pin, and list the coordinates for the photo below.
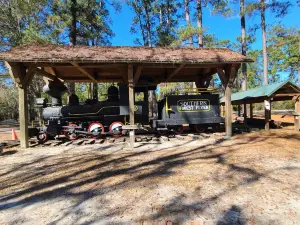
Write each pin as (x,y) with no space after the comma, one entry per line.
(175,71)
(137,74)
(84,72)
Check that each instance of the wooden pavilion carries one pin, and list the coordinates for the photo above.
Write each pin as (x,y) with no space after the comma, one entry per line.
(282,91)
(133,66)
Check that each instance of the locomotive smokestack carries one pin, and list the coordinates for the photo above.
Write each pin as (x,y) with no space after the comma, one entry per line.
(55,89)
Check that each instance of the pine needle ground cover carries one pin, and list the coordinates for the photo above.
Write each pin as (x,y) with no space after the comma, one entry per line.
(249,179)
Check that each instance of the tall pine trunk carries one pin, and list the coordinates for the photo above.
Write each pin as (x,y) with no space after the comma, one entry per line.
(199,23)
(73,37)
(264,40)
(243,28)
(187,18)
(148,25)
(299,62)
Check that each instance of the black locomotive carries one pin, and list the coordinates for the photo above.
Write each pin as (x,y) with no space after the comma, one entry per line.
(94,118)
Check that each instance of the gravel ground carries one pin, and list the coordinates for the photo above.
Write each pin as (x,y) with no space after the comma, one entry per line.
(249,179)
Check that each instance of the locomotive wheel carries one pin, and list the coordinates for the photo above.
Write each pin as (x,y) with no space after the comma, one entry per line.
(199,129)
(71,136)
(96,129)
(178,129)
(42,137)
(115,130)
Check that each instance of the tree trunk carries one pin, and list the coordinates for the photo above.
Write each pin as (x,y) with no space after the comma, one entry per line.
(71,86)
(148,25)
(187,18)
(199,23)
(264,39)
(74,20)
(243,27)
(299,64)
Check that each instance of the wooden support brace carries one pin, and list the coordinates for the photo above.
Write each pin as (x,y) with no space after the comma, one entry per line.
(16,72)
(175,72)
(45,74)
(222,76)
(82,70)
(29,74)
(137,75)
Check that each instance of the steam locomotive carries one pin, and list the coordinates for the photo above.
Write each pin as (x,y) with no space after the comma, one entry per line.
(95,118)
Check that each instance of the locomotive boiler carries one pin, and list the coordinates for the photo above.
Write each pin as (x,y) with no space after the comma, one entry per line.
(92,118)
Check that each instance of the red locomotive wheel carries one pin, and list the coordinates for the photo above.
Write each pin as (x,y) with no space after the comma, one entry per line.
(178,129)
(72,136)
(96,128)
(42,137)
(116,129)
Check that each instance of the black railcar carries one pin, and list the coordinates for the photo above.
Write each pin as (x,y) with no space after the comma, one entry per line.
(201,111)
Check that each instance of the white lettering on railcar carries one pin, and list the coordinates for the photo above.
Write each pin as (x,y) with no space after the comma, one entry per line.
(193,105)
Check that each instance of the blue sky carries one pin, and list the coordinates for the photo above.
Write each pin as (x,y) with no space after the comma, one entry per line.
(223,28)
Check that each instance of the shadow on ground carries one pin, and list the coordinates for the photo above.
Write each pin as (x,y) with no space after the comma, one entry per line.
(83,176)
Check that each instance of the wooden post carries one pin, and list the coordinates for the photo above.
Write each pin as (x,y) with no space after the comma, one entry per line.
(296,117)
(267,113)
(239,110)
(251,110)
(228,113)
(131,103)
(18,74)
(222,110)
(245,114)
(23,116)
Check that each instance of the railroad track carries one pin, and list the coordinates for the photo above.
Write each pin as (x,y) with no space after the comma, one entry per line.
(151,139)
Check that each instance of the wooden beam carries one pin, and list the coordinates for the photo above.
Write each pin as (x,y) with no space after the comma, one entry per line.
(84,72)
(245,113)
(297,118)
(287,94)
(29,74)
(137,74)
(239,110)
(222,76)
(45,74)
(16,72)
(131,103)
(23,116)
(267,104)
(175,71)
(228,113)
(233,73)
(251,110)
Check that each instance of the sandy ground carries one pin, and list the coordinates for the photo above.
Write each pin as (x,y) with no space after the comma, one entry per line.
(5,132)
(249,179)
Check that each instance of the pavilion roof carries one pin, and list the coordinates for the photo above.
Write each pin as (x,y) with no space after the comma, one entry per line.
(117,54)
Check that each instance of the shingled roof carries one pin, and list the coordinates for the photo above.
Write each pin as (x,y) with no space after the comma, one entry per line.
(93,54)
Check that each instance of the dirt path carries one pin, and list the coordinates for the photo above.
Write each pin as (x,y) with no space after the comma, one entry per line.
(249,179)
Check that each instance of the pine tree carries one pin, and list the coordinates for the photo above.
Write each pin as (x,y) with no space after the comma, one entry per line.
(283,48)
(243,29)
(280,9)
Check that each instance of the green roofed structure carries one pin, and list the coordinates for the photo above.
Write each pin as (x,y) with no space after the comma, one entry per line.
(286,90)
